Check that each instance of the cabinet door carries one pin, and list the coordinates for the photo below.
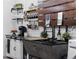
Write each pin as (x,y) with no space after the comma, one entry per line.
(31,48)
(13,48)
(19,49)
(59,51)
(45,52)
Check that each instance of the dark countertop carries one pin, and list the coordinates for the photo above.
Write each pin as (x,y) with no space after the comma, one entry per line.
(47,42)
(45,49)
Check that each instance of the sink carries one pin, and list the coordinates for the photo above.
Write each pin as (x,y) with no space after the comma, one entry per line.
(55,42)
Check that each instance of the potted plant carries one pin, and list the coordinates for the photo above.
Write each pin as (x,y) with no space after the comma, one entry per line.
(18,5)
(66,36)
(44,34)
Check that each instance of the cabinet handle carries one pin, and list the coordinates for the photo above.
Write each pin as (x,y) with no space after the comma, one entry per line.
(14,48)
(8,46)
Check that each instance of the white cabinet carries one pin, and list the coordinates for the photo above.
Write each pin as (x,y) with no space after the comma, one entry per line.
(72,49)
(15,49)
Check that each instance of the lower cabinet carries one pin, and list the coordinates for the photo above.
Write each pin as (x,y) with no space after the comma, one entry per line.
(40,51)
(14,49)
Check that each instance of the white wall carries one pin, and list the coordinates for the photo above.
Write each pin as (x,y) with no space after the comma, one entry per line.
(71,30)
(7,22)
(7,16)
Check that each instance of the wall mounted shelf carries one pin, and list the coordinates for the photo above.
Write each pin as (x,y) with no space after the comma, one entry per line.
(16,9)
(18,20)
(17,14)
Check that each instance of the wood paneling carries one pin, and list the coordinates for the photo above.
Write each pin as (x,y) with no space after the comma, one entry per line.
(54,6)
(70,14)
(65,7)
(41,24)
(69,22)
(54,16)
(41,17)
(54,22)
(51,3)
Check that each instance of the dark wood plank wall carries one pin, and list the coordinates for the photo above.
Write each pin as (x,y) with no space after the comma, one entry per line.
(68,7)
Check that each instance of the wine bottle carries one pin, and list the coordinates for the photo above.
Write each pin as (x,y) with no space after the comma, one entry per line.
(59,34)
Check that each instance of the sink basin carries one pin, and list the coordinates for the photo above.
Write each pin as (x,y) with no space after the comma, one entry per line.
(55,42)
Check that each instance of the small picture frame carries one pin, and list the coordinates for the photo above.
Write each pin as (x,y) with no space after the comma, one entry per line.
(47,20)
(59,18)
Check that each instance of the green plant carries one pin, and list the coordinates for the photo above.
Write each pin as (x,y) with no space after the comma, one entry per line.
(66,36)
(44,34)
(18,5)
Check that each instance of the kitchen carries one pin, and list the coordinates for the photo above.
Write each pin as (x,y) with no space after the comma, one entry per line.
(42,30)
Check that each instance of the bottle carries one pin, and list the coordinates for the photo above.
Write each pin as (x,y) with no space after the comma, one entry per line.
(59,34)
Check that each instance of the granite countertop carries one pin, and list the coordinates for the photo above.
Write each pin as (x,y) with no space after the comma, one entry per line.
(47,42)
